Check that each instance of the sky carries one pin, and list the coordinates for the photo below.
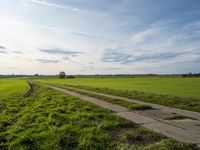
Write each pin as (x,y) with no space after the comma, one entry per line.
(99,36)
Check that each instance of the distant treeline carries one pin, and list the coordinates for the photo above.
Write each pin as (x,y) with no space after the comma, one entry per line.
(143,75)
(191,75)
(109,75)
(14,76)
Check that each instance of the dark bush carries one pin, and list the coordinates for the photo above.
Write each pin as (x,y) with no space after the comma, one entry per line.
(70,76)
(61,75)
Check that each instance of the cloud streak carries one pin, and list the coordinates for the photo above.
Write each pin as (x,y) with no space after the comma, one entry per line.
(99,68)
(2,47)
(45,61)
(61,52)
(17,52)
(62,30)
(143,35)
(68,8)
(3,52)
(125,58)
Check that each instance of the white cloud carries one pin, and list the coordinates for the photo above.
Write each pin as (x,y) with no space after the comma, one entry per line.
(45,3)
(143,35)
(183,37)
(193,25)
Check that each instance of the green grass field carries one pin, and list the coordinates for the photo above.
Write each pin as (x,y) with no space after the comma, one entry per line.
(189,87)
(51,120)
(10,87)
(174,92)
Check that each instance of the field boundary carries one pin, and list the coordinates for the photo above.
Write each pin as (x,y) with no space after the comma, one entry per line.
(28,93)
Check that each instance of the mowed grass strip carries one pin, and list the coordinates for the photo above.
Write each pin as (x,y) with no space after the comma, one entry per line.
(51,120)
(186,103)
(126,104)
(13,87)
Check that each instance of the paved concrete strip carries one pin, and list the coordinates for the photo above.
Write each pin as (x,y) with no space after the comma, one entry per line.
(174,132)
(104,104)
(187,113)
(123,98)
(192,114)
(139,119)
(178,133)
(189,124)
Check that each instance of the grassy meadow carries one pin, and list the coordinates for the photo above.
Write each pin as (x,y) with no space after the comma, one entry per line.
(13,87)
(51,120)
(188,87)
(169,91)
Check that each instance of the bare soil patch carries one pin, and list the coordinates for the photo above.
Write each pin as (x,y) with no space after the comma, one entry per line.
(136,136)
(31,89)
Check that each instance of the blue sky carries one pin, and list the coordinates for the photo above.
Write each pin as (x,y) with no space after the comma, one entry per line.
(99,36)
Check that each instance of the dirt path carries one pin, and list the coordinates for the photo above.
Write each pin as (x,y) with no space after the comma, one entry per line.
(184,130)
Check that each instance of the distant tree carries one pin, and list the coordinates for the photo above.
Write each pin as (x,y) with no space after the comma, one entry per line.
(36,75)
(71,77)
(61,75)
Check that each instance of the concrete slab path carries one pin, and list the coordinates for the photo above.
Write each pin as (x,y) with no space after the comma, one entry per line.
(186,130)
(191,114)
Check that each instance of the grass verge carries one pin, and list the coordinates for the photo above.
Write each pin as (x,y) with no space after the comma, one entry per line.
(187,103)
(126,104)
